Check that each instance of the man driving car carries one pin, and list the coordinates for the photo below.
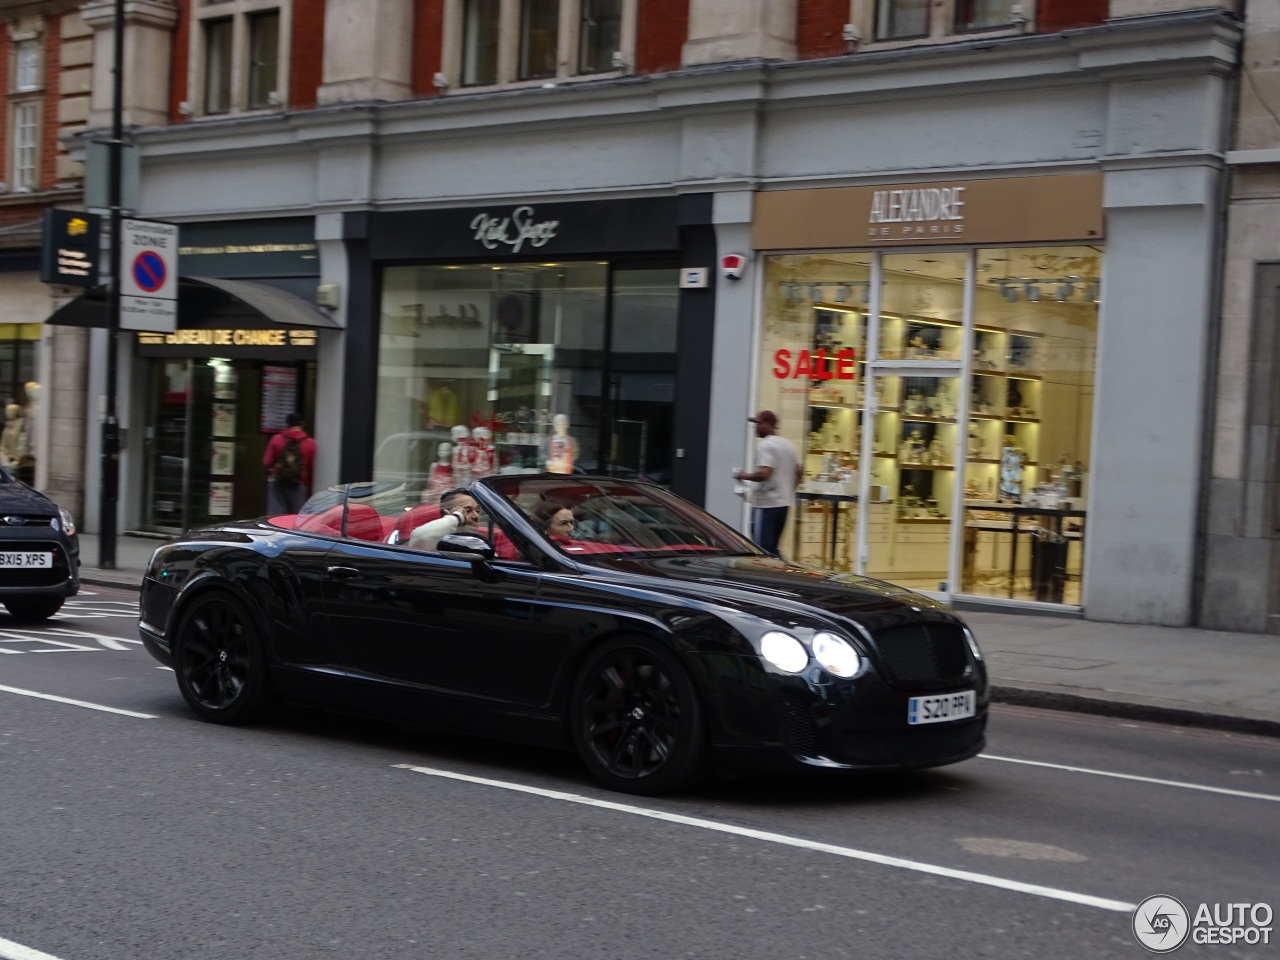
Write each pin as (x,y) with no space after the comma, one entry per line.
(459,513)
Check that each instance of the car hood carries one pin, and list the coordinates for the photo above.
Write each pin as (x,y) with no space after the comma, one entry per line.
(766,586)
(19,498)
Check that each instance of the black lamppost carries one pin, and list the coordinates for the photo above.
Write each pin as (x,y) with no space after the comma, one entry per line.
(109,492)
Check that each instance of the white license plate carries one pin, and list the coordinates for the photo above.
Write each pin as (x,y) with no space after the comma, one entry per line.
(947,706)
(11,560)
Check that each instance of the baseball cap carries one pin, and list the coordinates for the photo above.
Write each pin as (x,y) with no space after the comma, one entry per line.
(764,416)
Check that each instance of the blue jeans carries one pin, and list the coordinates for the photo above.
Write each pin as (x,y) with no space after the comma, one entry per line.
(767,524)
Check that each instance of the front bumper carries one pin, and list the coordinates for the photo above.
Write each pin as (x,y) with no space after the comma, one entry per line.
(816,722)
(62,579)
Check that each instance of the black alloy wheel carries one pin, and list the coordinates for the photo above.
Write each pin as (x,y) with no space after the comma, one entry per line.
(218,659)
(34,608)
(636,720)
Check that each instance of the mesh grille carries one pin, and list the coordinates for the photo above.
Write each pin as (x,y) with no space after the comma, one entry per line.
(922,653)
(799,732)
(917,747)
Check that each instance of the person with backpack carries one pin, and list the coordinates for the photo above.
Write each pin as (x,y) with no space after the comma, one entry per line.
(289,459)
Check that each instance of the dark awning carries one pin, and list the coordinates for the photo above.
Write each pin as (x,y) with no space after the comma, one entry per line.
(212,303)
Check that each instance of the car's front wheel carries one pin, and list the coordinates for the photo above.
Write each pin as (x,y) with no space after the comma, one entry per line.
(636,720)
(34,608)
(219,661)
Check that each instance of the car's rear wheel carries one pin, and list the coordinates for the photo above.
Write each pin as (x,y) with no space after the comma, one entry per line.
(219,661)
(635,718)
(34,608)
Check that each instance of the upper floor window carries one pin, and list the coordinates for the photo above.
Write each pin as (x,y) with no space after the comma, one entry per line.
(238,59)
(503,41)
(539,37)
(935,20)
(480,42)
(26,66)
(897,19)
(26,128)
(985,14)
(600,36)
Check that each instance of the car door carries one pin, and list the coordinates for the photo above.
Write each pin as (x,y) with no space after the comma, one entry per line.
(410,623)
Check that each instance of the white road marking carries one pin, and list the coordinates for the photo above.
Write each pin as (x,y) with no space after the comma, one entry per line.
(77,703)
(1131,776)
(1081,899)
(16,951)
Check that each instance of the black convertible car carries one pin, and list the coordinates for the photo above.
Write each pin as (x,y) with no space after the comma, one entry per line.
(39,551)
(590,613)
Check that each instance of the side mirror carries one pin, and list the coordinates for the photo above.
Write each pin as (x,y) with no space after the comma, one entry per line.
(465,546)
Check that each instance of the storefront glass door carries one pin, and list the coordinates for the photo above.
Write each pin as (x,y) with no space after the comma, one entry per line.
(208,424)
(908,498)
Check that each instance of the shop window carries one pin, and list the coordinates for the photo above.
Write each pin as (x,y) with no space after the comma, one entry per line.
(504,41)
(945,437)
(238,55)
(498,369)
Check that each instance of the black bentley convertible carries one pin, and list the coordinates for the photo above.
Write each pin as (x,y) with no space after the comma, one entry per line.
(589,613)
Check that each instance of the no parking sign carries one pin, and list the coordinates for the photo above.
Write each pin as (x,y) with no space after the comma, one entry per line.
(149,275)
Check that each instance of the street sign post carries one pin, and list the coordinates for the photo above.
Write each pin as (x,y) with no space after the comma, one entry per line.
(149,275)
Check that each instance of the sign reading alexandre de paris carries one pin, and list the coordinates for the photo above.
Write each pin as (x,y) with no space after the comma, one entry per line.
(928,212)
(1065,208)
(514,230)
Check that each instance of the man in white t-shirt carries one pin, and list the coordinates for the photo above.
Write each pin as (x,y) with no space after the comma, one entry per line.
(778,474)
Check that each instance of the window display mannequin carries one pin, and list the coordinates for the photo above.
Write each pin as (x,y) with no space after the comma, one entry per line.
(463,455)
(561,447)
(11,441)
(482,454)
(441,477)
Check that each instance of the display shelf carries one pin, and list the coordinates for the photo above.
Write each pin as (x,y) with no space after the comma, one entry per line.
(925,466)
(913,418)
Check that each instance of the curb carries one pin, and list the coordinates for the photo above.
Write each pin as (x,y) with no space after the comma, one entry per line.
(1126,710)
(101,581)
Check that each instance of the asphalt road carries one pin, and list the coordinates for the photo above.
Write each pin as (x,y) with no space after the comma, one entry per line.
(131,831)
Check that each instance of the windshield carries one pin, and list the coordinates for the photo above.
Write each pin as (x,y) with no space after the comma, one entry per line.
(594,519)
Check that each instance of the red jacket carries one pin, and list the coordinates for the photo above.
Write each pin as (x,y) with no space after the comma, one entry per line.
(276,446)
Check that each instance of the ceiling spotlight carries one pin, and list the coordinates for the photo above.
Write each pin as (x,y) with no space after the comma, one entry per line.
(815,293)
(1065,290)
(1010,293)
(843,293)
(1032,292)
(1093,291)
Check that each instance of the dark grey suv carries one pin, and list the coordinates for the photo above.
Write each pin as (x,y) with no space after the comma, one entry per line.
(39,551)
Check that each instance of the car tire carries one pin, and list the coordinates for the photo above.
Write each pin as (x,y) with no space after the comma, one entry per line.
(34,608)
(219,661)
(635,718)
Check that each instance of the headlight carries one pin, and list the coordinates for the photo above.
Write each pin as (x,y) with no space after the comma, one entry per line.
(68,524)
(973,644)
(784,651)
(835,655)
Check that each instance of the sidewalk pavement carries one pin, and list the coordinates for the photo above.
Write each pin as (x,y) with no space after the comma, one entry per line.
(1177,675)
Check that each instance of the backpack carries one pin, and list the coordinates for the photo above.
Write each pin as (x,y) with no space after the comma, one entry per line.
(289,463)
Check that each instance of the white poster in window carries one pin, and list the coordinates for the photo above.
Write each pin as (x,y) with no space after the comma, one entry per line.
(222,459)
(224,382)
(220,498)
(224,419)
